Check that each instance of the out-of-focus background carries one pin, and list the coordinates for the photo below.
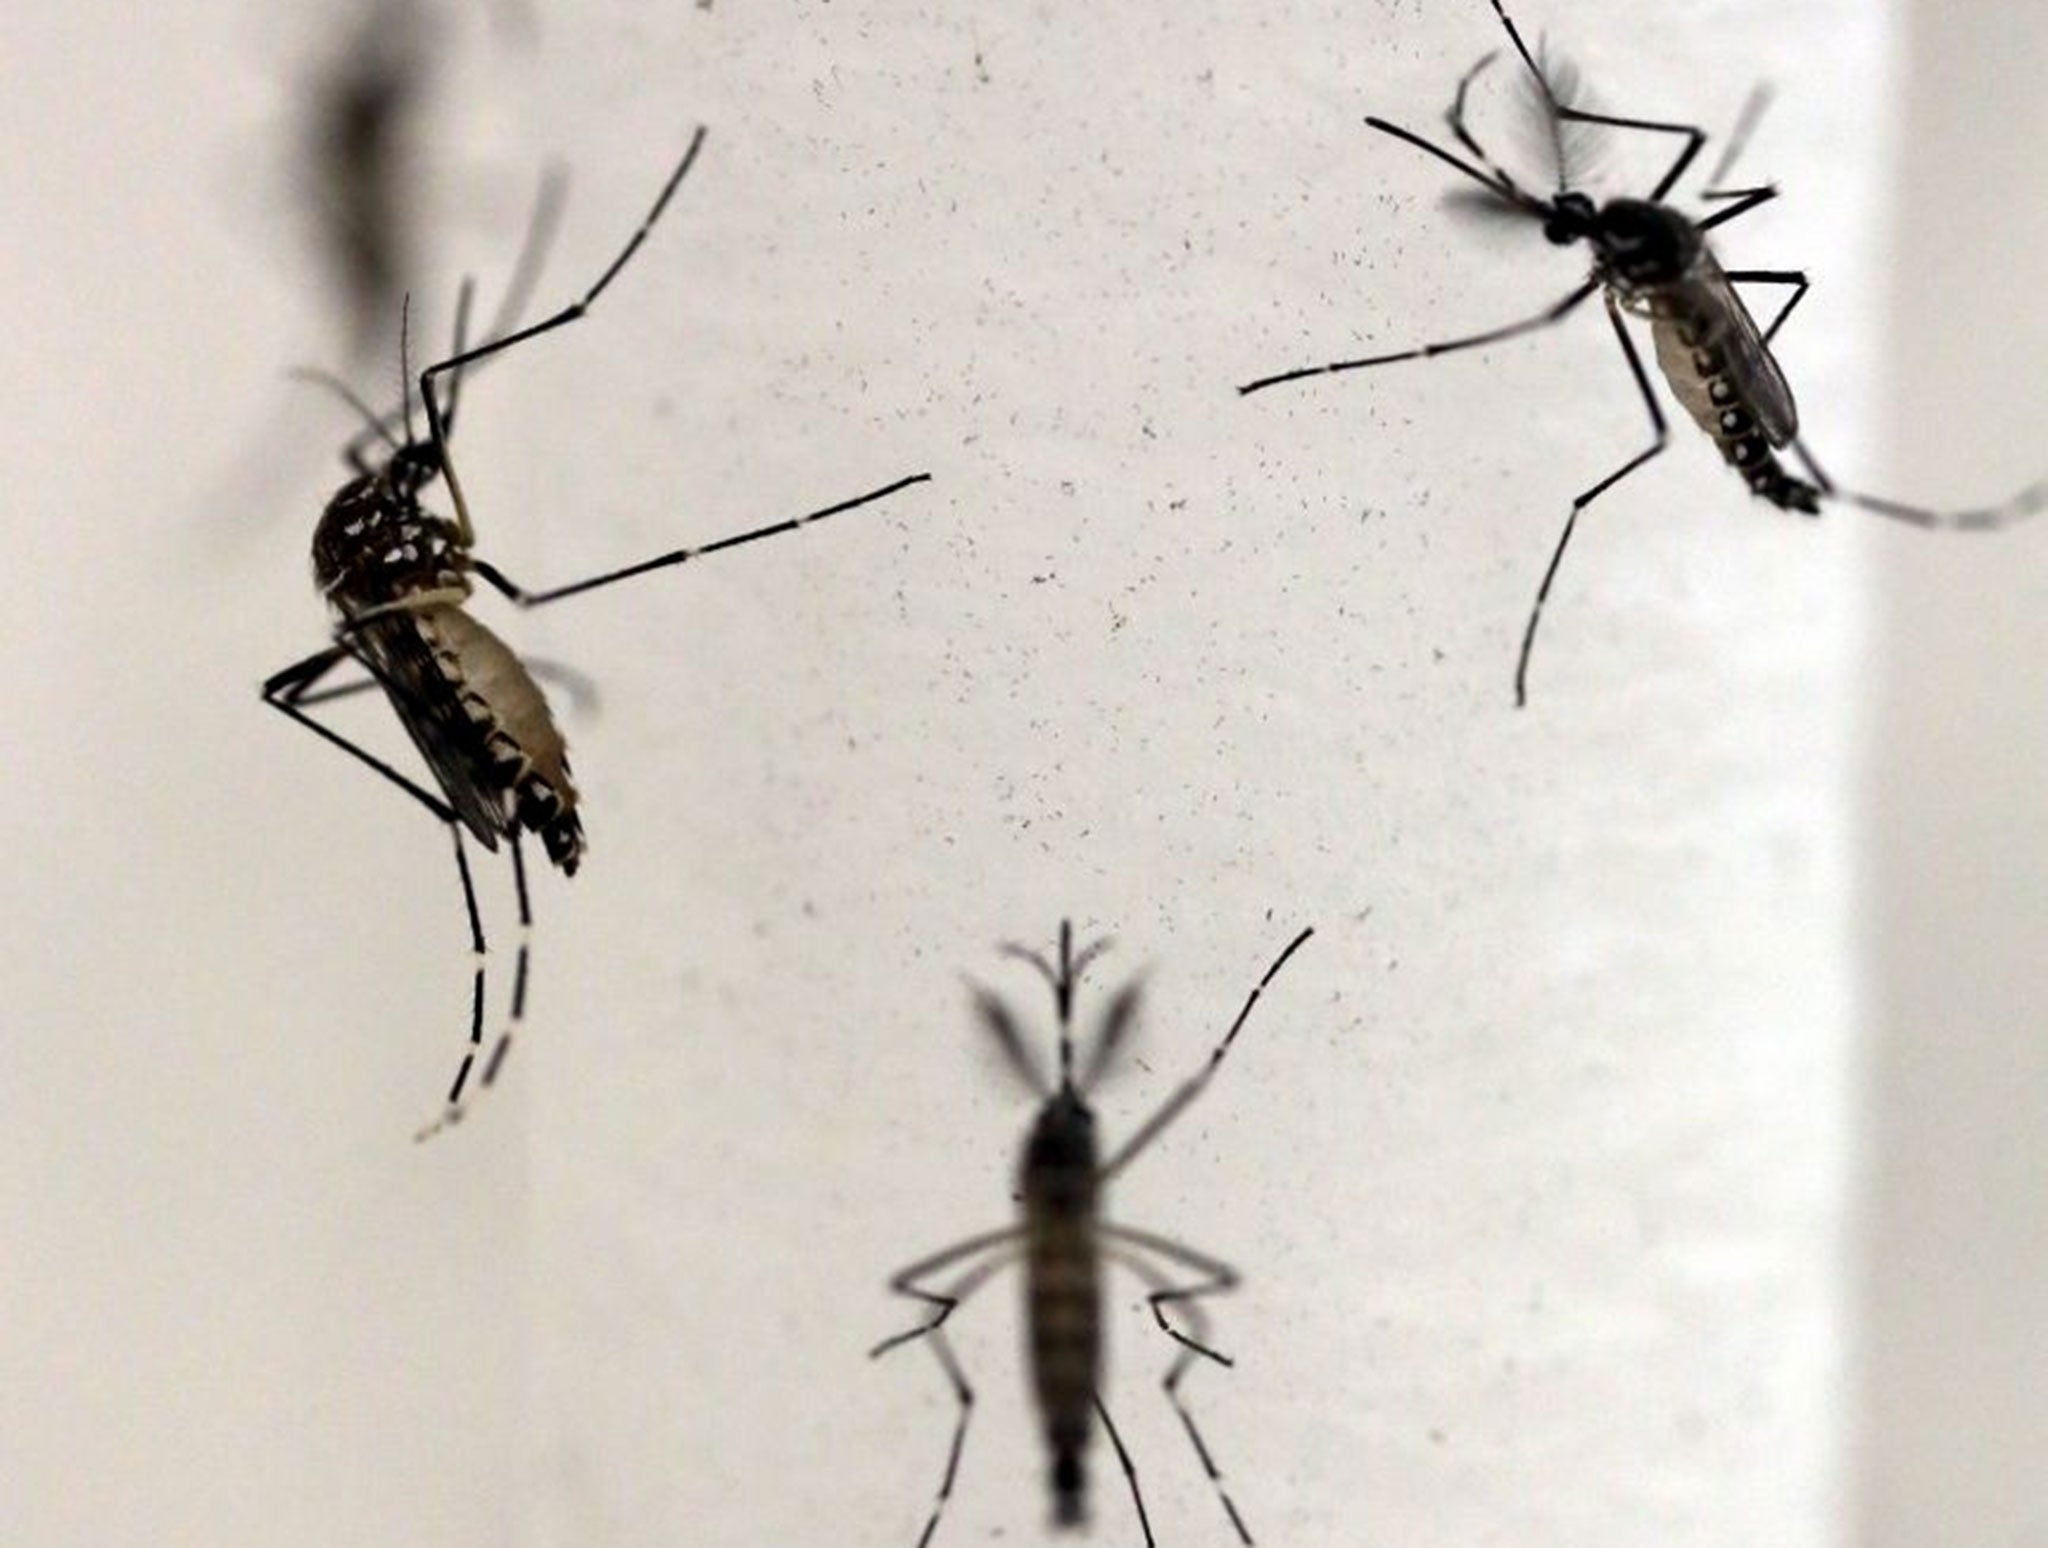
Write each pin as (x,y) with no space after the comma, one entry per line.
(1646,1148)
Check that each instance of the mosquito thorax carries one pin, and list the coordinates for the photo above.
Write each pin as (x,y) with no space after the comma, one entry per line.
(1642,245)
(1059,1157)
(375,545)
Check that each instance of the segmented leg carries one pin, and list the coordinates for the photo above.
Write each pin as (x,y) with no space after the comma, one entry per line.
(1695,137)
(1191,1088)
(1123,1458)
(437,422)
(1217,1278)
(1550,315)
(1002,1248)
(2030,501)
(289,691)
(456,1107)
(1662,433)
(526,598)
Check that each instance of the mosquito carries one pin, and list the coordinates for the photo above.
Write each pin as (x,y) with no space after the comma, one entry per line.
(1653,262)
(1063,1242)
(398,579)
(358,155)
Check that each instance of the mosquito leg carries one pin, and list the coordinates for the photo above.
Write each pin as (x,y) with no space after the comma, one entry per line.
(965,1396)
(1455,117)
(457,1107)
(1745,200)
(1635,366)
(1217,1279)
(465,299)
(1172,1107)
(453,1109)
(905,1282)
(1495,179)
(569,314)
(1694,137)
(1796,278)
(1123,1458)
(1001,1249)
(287,691)
(576,309)
(518,1012)
(2030,501)
(526,598)
(329,695)
(540,235)
(1549,315)
(578,687)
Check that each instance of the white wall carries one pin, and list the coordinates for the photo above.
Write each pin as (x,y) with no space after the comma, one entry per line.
(1954,1259)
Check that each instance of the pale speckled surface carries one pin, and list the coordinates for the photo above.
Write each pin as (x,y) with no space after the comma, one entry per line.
(1535,1159)
(1953,1149)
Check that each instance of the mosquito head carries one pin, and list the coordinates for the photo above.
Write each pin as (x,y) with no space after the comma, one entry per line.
(412,467)
(1642,245)
(1571,218)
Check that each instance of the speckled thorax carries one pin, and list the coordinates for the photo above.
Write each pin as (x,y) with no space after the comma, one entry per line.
(375,546)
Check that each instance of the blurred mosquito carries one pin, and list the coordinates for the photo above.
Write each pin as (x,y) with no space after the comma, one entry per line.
(1063,1242)
(357,151)
(1653,262)
(399,580)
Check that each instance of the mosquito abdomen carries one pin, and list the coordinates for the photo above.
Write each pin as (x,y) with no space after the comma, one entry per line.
(529,760)
(1063,1297)
(1710,390)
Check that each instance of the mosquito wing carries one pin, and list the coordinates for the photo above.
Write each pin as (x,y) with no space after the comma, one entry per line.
(427,704)
(1710,298)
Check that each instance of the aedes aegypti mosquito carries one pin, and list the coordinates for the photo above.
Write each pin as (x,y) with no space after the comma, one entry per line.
(1653,262)
(399,580)
(1063,1242)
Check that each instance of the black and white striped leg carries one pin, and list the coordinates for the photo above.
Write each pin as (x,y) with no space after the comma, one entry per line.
(289,691)
(526,598)
(2030,501)
(1550,315)
(1662,433)
(1123,1458)
(964,1395)
(1193,1086)
(1216,1278)
(459,1097)
(1001,1248)
(437,421)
